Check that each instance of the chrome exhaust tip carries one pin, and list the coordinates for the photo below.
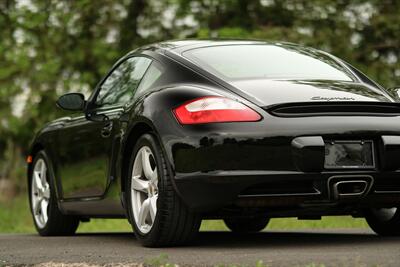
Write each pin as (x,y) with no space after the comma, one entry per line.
(349,188)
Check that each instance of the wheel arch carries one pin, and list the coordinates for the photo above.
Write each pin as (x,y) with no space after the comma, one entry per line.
(36,148)
(139,129)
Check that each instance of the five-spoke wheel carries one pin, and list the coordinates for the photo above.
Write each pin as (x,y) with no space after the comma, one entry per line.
(47,217)
(144,188)
(40,193)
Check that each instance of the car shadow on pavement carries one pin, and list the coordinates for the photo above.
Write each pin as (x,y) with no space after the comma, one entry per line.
(266,239)
(287,239)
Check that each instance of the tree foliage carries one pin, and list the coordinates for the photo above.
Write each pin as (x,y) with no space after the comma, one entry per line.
(49,47)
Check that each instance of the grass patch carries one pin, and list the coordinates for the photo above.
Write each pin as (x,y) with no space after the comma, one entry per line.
(16,218)
(105,225)
(161,261)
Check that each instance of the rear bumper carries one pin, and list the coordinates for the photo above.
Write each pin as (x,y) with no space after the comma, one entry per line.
(216,165)
(285,190)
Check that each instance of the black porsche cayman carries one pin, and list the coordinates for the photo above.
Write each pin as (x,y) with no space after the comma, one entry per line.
(243,131)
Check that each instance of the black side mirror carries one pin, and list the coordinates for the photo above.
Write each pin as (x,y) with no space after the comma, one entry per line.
(72,102)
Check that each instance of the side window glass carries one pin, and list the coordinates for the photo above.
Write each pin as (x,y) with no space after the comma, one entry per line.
(118,88)
(153,73)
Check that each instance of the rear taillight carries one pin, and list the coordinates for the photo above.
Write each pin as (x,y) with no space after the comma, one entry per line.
(212,109)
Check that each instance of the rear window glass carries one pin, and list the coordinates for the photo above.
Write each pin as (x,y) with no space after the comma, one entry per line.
(268,62)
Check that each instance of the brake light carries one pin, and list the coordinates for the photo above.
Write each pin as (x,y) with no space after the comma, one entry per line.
(212,109)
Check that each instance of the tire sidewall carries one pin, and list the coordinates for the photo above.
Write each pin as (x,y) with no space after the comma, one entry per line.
(382,227)
(247,225)
(149,141)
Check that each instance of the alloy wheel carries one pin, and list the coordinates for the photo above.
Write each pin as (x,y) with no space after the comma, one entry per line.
(40,193)
(144,186)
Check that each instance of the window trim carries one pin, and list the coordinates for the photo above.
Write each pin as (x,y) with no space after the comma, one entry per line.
(362,77)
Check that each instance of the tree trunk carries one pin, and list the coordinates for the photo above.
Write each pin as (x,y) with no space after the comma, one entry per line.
(129,26)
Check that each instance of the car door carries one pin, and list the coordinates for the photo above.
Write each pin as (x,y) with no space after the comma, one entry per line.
(87,142)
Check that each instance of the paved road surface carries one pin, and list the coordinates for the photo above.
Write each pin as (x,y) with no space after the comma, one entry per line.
(298,248)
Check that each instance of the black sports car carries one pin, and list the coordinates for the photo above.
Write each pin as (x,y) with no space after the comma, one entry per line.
(244,131)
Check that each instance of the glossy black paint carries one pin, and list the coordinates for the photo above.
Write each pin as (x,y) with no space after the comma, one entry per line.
(213,164)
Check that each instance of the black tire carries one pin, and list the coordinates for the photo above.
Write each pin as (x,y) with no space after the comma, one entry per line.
(57,223)
(246,225)
(174,223)
(382,224)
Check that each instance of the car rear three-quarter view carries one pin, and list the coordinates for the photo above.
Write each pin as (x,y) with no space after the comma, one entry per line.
(242,131)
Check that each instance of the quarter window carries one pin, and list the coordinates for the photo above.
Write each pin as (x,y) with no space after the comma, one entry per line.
(150,78)
(121,84)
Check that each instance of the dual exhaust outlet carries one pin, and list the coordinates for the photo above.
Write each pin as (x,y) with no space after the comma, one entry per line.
(342,187)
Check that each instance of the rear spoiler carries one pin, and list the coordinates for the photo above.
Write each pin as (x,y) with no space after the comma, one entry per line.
(342,108)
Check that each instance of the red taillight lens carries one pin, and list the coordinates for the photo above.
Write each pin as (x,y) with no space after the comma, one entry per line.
(214,109)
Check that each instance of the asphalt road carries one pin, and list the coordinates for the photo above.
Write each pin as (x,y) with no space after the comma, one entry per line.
(290,248)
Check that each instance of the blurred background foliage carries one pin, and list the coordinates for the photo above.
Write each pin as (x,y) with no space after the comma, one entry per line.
(49,47)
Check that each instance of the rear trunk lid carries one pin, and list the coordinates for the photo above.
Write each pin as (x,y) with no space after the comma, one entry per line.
(272,92)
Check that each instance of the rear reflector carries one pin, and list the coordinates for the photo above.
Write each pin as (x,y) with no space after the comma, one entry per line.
(213,109)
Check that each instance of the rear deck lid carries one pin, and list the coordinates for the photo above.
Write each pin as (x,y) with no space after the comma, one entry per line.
(272,92)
